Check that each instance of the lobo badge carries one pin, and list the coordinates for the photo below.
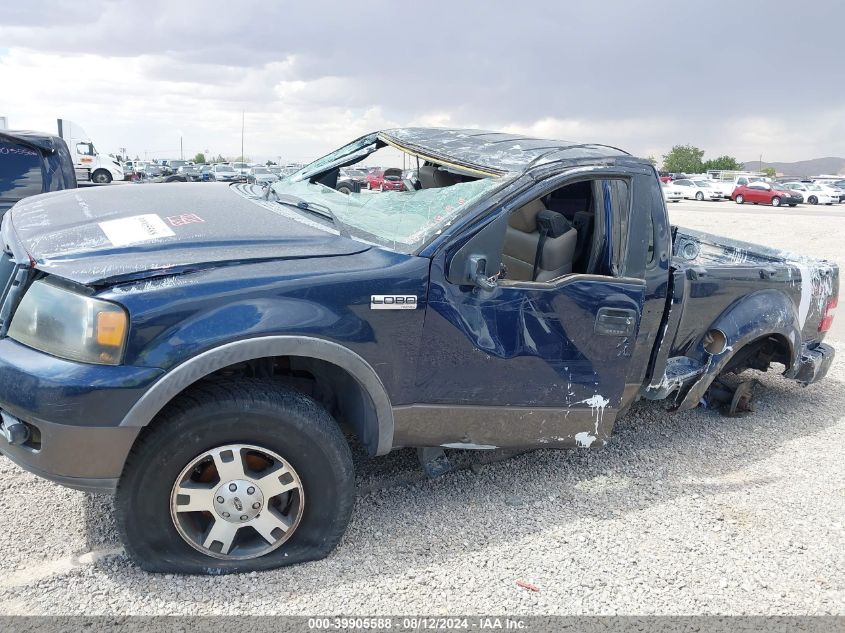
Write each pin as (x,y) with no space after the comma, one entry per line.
(393,302)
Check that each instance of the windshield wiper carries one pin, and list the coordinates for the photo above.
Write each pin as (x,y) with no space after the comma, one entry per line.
(312,207)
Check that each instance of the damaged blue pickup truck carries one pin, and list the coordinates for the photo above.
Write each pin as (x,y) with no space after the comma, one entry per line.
(208,351)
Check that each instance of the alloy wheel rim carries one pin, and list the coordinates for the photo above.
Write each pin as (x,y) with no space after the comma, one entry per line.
(237,502)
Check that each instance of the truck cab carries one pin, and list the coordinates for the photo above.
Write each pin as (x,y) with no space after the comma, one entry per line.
(89,164)
(32,163)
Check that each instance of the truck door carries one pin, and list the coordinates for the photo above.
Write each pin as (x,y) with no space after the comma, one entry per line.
(525,361)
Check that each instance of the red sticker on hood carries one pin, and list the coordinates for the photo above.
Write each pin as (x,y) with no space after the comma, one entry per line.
(185,218)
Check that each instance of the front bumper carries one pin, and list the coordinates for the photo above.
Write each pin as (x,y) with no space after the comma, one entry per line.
(73,414)
(814,363)
(84,458)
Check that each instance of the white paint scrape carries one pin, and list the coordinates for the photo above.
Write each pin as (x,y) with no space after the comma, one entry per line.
(584,439)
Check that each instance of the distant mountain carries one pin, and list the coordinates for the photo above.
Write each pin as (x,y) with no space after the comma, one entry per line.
(812,167)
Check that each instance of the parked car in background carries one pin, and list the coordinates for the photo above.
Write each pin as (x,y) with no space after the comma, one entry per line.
(393,181)
(353,173)
(260,176)
(837,194)
(153,170)
(810,193)
(131,171)
(698,189)
(32,163)
(173,166)
(377,178)
(191,172)
(241,168)
(671,193)
(774,194)
(724,188)
(224,173)
(205,172)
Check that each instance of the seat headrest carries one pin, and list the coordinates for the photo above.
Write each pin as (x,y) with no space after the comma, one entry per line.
(525,218)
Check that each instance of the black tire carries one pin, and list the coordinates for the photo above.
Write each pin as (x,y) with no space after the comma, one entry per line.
(740,199)
(101,177)
(775,201)
(699,196)
(813,200)
(792,204)
(215,414)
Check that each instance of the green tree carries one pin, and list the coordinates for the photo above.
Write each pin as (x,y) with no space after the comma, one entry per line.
(684,158)
(199,158)
(771,172)
(722,162)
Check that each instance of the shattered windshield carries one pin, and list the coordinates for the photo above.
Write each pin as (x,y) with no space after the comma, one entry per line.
(404,216)
(401,220)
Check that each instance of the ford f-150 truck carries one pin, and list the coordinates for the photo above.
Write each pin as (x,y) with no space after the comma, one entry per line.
(209,351)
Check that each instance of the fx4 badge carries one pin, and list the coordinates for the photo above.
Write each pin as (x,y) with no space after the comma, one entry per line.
(393,302)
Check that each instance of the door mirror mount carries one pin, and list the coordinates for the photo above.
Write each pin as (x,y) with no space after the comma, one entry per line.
(477,262)
(478,273)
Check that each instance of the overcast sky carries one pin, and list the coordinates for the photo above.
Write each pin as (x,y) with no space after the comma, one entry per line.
(741,78)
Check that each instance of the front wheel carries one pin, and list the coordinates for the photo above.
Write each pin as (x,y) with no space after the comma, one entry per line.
(699,196)
(740,199)
(775,201)
(101,177)
(236,477)
(813,200)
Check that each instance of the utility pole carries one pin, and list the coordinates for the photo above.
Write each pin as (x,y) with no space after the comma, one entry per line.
(242,136)
(181,153)
(761,162)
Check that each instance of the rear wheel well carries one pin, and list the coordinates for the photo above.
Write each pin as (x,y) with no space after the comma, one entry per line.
(760,353)
(334,387)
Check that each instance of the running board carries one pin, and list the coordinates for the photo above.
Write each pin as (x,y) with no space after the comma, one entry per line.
(679,371)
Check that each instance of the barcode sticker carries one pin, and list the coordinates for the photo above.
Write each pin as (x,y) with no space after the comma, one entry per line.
(138,228)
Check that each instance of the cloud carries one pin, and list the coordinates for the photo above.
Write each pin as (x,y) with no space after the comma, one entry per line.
(312,76)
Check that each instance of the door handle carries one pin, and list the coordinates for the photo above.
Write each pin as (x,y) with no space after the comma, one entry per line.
(615,322)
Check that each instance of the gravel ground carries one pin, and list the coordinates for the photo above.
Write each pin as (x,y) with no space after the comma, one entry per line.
(680,514)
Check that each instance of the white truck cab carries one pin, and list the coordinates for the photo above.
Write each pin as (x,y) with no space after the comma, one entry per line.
(89,164)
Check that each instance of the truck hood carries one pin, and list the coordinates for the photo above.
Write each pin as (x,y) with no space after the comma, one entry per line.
(101,235)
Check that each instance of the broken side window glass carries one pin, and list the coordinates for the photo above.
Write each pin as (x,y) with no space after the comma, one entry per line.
(355,150)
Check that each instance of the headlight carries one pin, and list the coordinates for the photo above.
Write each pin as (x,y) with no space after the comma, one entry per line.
(70,325)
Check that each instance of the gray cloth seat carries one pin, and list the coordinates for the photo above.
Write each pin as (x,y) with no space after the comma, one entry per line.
(523,238)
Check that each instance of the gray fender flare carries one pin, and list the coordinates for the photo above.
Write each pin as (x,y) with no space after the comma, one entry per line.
(206,363)
(761,314)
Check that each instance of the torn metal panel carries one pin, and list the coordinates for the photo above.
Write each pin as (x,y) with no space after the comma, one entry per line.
(496,153)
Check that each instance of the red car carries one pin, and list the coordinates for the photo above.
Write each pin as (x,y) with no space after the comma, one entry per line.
(389,179)
(765,193)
